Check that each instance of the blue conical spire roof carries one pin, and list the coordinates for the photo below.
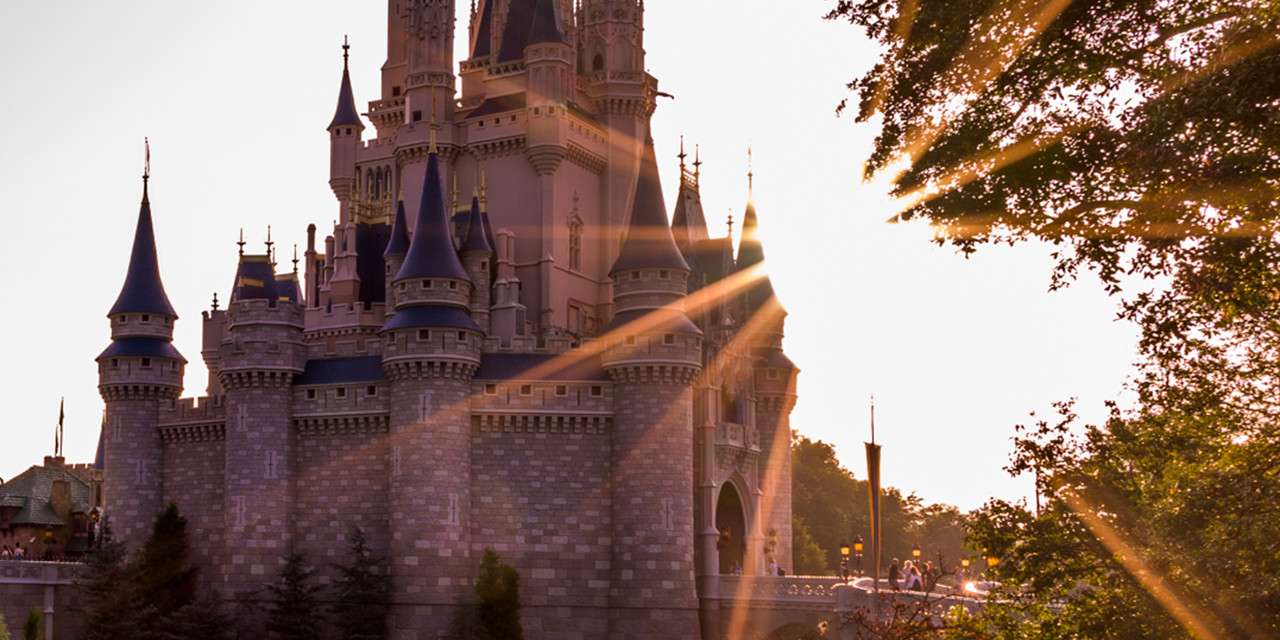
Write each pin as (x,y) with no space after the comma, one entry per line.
(649,243)
(143,291)
(477,239)
(485,33)
(431,254)
(546,27)
(398,245)
(346,114)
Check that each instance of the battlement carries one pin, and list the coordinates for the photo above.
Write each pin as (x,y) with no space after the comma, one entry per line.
(531,344)
(433,290)
(343,316)
(264,311)
(202,409)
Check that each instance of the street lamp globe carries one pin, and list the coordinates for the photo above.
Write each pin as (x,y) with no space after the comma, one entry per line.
(915,552)
(844,550)
(857,545)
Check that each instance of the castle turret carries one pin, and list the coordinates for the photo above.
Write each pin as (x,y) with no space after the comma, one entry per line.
(344,143)
(261,354)
(393,256)
(477,256)
(653,353)
(774,382)
(139,371)
(431,351)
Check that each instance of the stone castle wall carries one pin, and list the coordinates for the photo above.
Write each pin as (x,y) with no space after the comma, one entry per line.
(193,479)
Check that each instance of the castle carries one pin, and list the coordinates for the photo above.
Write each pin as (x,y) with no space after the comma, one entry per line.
(550,368)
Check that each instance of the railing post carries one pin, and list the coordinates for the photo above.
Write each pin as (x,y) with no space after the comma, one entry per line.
(843,609)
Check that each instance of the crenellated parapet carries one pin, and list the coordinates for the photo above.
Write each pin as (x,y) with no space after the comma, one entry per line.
(184,410)
(417,369)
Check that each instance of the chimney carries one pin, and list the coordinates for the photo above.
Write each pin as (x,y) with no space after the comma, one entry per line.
(60,499)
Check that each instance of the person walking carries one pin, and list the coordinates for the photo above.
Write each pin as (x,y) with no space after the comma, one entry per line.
(6,554)
(18,552)
(895,572)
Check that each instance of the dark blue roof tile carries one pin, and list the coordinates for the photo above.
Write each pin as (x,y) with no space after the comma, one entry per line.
(649,243)
(346,113)
(431,253)
(398,245)
(143,291)
(484,34)
(546,26)
(477,239)
(431,318)
(340,370)
(255,279)
(667,320)
(142,348)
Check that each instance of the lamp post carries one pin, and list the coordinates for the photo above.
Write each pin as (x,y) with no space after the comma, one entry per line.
(857,551)
(844,561)
(915,553)
(992,561)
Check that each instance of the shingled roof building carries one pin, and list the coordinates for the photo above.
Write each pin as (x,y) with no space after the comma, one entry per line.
(48,508)
(522,368)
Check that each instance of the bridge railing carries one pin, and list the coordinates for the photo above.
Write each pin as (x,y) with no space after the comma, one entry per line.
(809,590)
(39,573)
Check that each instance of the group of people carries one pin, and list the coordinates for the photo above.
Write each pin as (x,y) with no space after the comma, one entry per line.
(913,576)
(16,553)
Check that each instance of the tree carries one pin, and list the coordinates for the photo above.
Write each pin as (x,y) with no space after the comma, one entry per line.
(1140,138)
(293,607)
(31,630)
(363,593)
(4,630)
(809,558)
(201,619)
(110,601)
(498,590)
(165,577)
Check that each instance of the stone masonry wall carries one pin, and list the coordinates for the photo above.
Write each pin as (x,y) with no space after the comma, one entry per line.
(341,484)
(774,422)
(193,480)
(134,471)
(541,500)
(432,568)
(652,594)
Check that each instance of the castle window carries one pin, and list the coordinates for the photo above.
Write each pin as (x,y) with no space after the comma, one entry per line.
(491,389)
(341,392)
(631,341)
(597,391)
(311,394)
(462,336)
(395,92)
(426,284)
(562,390)
(575,243)
(124,319)
(526,389)
(417,116)
(453,284)
(424,334)
(635,275)
(664,274)
(371,391)
(146,318)
(146,363)
(115,364)
(597,63)
(669,338)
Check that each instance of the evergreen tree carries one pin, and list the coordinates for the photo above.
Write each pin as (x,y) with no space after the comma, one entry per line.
(110,604)
(498,589)
(31,630)
(363,593)
(293,607)
(165,576)
(4,630)
(202,619)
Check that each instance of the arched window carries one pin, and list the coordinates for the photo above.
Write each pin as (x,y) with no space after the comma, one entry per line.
(575,243)
(597,63)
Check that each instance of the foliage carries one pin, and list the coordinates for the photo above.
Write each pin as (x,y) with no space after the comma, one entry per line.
(362,593)
(809,558)
(498,590)
(4,630)
(1140,137)
(830,506)
(201,619)
(110,601)
(31,629)
(293,606)
(164,574)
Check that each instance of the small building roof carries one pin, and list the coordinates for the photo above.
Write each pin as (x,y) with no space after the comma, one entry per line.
(255,279)
(32,490)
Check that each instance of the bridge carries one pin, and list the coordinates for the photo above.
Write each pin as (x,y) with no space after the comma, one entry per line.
(44,586)
(789,607)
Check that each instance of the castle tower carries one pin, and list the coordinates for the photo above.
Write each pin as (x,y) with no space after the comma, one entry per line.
(431,351)
(344,143)
(653,353)
(397,247)
(419,63)
(139,371)
(477,255)
(774,381)
(261,353)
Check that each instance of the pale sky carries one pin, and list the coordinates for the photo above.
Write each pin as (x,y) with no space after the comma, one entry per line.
(235,96)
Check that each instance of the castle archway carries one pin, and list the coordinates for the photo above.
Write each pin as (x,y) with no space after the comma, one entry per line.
(731,522)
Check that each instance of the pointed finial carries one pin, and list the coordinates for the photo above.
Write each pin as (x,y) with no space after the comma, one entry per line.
(215,300)
(295,258)
(697,163)
(873,418)
(240,242)
(484,189)
(346,52)
(146,162)
(751,176)
(682,155)
(731,224)
(269,242)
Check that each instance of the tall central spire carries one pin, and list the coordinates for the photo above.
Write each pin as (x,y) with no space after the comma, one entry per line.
(143,291)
